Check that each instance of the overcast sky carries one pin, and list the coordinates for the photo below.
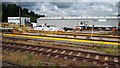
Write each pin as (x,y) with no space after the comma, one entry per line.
(52,9)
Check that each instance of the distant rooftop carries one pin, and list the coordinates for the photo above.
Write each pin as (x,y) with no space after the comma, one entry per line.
(89,17)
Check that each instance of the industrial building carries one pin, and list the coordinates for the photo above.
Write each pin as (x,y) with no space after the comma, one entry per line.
(17,20)
(71,22)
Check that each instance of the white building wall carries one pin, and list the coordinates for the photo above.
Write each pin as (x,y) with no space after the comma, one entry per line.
(111,23)
(16,20)
(59,23)
(13,20)
(71,22)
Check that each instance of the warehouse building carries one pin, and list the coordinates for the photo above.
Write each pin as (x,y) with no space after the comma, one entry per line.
(71,22)
(16,20)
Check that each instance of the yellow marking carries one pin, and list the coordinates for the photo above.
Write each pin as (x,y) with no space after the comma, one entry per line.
(73,40)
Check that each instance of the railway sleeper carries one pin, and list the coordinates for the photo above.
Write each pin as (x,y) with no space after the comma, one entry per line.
(18,45)
(63,52)
(115,59)
(56,56)
(32,52)
(18,50)
(26,51)
(49,50)
(13,50)
(105,64)
(24,47)
(35,48)
(29,47)
(70,53)
(55,51)
(65,57)
(14,45)
(106,58)
(78,54)
(74,59)
(41,49)
(97,57)
(48,55)
(40,54)
(88,56)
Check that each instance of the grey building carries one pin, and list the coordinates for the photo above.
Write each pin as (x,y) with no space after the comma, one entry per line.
(71,22)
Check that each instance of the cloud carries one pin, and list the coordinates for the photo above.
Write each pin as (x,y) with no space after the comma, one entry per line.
(23,4)
(73,8)
(28,4)
(61,0)
(78,9)
(62,4)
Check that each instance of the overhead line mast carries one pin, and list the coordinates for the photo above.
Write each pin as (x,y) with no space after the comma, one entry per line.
(19,13)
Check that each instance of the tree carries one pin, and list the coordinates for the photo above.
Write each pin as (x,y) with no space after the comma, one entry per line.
(4,13)
(25,12)
(12,10)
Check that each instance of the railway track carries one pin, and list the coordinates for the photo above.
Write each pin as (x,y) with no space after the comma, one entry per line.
(94,35)
(95,58)
(83,37)
(77,34)
(103,38)
(83,45)
(10,64)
